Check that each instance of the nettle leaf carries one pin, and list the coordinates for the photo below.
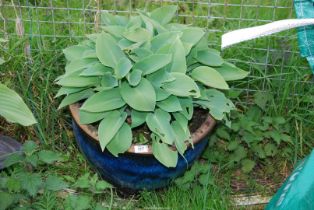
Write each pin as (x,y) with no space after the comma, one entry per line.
(247,165)
(164,154)
(138,118)
(134,77)
(141,97)
(209,77)
(230,72)
(90,117)
(114,30)
(164,14)
(123,67)
(75,52)
(13,108)
(137,35)
(78,202)
(75,97)
(152,63)
(75,80)
(190,37)
(216,102)
(107,50)
(159,123)
(104,101)
(48,156)
(161,40)
(122,141)
(32,183)
(55,183)
(79,64)
(183,85)
(109,126)
(209,57)
(96,69)
(170,104)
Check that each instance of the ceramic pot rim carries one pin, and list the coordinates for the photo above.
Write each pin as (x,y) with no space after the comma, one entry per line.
(206,127)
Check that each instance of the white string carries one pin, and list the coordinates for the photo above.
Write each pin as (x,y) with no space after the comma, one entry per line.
(246,34)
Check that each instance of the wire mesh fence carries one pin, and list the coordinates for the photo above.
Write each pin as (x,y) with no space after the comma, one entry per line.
(274,62)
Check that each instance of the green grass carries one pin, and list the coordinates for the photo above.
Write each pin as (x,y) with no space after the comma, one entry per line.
(287,76)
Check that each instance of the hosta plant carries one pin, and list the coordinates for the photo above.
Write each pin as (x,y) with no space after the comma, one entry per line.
(12,106)
(145,71)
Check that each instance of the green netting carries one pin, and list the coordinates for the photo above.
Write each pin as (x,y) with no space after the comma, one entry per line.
(297,193)
(305,9)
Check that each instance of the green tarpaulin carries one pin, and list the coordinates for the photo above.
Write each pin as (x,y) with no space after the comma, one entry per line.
(297,193)
(305,9)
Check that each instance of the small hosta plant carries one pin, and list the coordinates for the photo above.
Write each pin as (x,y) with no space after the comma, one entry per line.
(145,71)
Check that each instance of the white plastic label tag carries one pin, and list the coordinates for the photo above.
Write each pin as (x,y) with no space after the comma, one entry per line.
(140,148)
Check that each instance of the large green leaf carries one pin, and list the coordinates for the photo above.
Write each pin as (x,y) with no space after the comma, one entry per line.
(122,141)
(109,126)
(109,19)
(151,24)
(107,50)
(76,52)
(187,107)
(96,69)
(160,77)
(209,77)
(108,81)
(79,64)
(159,124)
(152,63)
(181,137)
(75,97)
(91,117)
(123,67)
(164,14)
(183,85)
(161,94)
(164,39)
(104,101)
(75,80)
(137,35)
(191,36)
(13,108)
(141,97)
(134,77)
(68,90)
(179,60)
(114,30)
(230,72)
(138,118)
(170,104)
(164,154)
(209,57)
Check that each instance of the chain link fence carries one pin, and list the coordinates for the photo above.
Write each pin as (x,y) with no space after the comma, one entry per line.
(274,62)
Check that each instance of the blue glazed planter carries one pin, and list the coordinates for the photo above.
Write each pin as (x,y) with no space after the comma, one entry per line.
(137,171)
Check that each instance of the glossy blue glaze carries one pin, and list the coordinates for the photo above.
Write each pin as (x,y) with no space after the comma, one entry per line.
(133,171)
